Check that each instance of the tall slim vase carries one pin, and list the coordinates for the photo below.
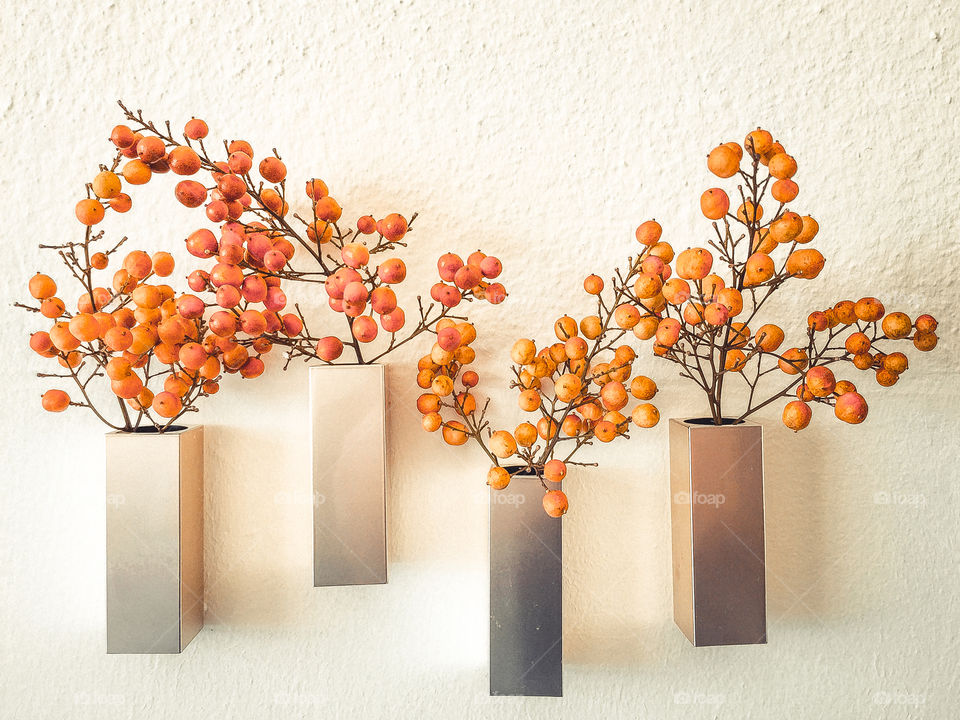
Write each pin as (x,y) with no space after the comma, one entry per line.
(347,412)
(526,592)
(154,496)
(716,487)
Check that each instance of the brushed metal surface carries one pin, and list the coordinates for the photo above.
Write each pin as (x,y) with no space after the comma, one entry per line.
(526,592)
(716,483)
(348,457)
(154,533)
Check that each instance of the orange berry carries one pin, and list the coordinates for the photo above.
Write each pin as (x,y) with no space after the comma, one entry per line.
(137,172)
(167,405)
(529,400)
(758,142)
(546,429)
(694,263)
(55,401)
(805,264)
(626,316)
(668,331)
(127,387)
(896,362)
(732,299)
(926,324)
(42,286)
(554,470)
(565,328)
(106,185)
(121,203)
(122,136)
(714,203)
(869,309)
(796,415)
(85,327)
(555,503)
(273,170)
(844,312)
(784,191)
(431,422)
(89,211)
(393,227)
(150,149)
(716,314)
(851,408)
(786,228)
(328,209)
(896,325)
(648,233)
(809,231)
(498,478)
(184,160)
(769,338)
(793,361)
(924,341)
(820,381)
(454,433)
(782,166)
(643,388)
(759,268)
(723,161)
(196,129)
(749,213)
(523,351)
(645,415)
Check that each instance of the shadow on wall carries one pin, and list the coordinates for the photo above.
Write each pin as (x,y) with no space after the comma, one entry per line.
(615,593)
(798,489)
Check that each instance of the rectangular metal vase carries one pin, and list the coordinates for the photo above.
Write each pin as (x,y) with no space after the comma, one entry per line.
(347,412)
(716,488)
(526,593)
(154,540)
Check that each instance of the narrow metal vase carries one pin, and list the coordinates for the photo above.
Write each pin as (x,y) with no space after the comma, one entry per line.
(347,413)
(154,496)
(716,487)
(526,592)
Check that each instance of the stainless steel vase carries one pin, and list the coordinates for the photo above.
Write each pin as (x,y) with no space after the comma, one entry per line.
(347,412)
(154,495)
(526,592)
(716,487)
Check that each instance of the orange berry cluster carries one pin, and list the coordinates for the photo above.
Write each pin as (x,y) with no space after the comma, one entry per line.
(699,318)
(579,386)
(260,238)
(870,324)
(139,333)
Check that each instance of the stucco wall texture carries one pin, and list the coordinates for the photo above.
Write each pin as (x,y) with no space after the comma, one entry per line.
(543,132)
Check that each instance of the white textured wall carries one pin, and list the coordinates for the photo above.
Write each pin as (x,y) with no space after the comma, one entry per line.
(543,132)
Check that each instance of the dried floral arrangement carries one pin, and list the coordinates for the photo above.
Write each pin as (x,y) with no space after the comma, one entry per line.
(699,313)
(262,242)
(577,389)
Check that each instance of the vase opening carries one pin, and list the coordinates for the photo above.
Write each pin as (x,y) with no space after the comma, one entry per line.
(710,421)
(150,430)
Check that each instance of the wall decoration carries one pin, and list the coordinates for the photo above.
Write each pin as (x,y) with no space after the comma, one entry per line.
(262,243)
(575,390)
(706,319)
(140,356)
